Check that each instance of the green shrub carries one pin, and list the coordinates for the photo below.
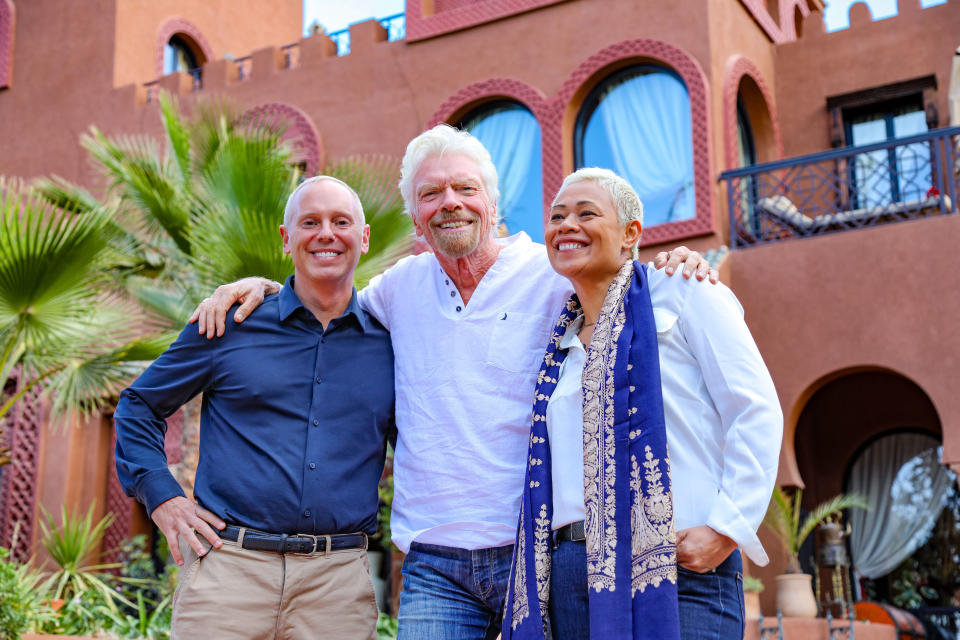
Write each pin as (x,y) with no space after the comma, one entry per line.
(752,584)
(22,606)
(386,627)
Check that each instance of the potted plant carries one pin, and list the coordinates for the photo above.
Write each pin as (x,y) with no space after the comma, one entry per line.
(794,589)
(751,597)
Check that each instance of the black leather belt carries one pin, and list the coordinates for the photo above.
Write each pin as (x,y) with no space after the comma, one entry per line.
(574,531)
(297,543)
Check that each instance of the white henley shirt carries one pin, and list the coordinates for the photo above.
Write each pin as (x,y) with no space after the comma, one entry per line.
(465,376)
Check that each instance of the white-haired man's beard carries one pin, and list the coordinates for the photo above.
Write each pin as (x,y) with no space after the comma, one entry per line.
(458,241)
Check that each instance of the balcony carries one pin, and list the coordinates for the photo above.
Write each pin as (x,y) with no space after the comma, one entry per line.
(396,26)
(844,189)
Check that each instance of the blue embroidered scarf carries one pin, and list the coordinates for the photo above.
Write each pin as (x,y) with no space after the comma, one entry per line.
(631,543)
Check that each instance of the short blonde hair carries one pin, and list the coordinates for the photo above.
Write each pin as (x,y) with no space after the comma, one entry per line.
(624,198)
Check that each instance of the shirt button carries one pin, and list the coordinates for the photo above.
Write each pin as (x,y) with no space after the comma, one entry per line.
(312,465)
(323,340)
(319,379)
(306,514)
(459,308)
(446,281)
(453,293)
(316,422)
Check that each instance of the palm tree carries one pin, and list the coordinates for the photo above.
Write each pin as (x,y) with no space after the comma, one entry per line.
(206,209)
(783,519)
(61,322)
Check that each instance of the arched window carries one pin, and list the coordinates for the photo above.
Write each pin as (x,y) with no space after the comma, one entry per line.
(512,135)
(637,123)
(178,55)
(746,147)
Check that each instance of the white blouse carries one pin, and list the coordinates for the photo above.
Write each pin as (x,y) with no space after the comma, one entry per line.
(723,418)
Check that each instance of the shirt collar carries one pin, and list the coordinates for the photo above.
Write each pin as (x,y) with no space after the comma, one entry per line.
(570,337)
(290,302)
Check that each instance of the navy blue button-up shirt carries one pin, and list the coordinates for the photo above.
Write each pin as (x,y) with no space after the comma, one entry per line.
(294,422)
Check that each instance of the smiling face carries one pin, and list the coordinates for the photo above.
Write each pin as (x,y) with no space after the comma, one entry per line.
(584,238)
(453,211)
(325,236)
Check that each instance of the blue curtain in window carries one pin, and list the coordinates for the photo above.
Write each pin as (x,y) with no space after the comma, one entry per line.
(641,129)
(512,135)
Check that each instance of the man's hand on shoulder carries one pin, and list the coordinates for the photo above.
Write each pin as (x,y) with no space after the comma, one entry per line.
(211,315)
(181,517)
(692,263)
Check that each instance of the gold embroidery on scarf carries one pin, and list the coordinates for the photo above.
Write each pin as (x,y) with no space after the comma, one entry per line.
(653,541)
(599,444)
(521,607)
(541,534)
(541,556)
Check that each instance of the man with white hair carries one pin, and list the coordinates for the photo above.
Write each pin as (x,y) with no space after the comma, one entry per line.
(297,409)
(469,323)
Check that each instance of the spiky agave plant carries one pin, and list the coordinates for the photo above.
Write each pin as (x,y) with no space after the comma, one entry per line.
(73,545)
(783,519)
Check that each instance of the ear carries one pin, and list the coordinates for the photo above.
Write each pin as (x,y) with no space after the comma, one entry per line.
(365,239)
(286,239)
(631,234)
(416,223)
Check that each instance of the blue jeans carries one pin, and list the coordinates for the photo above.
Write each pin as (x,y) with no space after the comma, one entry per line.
(453,594)
(711,604)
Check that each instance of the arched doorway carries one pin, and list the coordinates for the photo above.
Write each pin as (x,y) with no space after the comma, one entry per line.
(877,433)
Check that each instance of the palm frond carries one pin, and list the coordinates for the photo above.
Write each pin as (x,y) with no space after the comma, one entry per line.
(178,136)
(146,179)
(779,518)
(232,244)
(825,510)
(63,194)
(172,304)
(47,259)
(374,178)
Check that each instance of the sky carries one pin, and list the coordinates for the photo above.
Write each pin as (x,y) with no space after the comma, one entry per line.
(837,12)
(335,15)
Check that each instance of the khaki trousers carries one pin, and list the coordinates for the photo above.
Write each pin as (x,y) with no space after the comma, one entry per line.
(233,593)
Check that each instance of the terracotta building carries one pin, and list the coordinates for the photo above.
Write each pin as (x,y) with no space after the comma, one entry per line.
(734,119)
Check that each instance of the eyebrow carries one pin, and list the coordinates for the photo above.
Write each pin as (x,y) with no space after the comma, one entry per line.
(560,205)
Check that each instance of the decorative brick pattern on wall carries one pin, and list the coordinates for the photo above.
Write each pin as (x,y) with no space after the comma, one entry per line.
(736,68)
(462,102)
(7,24)
(179,25)
(18,487)
(300,129)
(454,15)
(549,113)
(786,30)
(119,505)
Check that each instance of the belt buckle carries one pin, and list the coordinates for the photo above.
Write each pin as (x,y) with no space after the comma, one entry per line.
(306,553)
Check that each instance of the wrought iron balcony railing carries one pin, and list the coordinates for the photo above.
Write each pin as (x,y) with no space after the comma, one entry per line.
(845,189)
(396,26)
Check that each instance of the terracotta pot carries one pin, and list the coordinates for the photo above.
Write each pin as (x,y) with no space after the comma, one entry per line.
(795,595)
(751,606)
